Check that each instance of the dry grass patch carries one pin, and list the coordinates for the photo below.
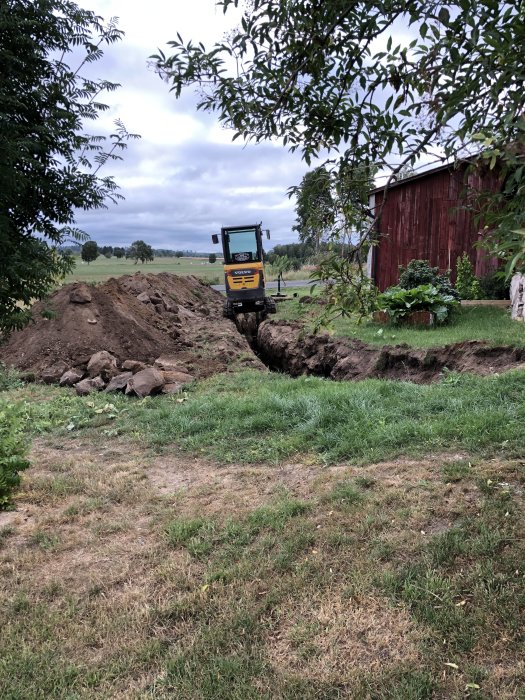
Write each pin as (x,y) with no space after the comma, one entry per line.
(332,638)
(124,575)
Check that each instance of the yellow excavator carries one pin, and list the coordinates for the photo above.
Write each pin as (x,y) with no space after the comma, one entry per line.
(244,271)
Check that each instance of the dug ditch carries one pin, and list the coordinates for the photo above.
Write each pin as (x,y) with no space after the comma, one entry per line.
(175,324)
(283,346)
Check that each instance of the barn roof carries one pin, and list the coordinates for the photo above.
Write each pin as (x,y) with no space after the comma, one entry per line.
(418,176)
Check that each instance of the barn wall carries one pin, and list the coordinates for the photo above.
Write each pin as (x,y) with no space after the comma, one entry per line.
(426,218)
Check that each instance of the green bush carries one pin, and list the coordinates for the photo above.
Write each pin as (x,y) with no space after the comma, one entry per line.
(467,284)
(494,286)
(419,272)
(398,302)
(13,449)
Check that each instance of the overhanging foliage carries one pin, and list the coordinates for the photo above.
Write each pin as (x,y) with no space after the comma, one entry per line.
(49,164)
(331,76)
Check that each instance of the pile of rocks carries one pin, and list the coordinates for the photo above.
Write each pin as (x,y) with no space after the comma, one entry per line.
(103,373)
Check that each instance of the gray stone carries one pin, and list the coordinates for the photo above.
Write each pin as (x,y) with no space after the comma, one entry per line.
(119,382)
(103,363)
(174,377)
(85,387)
(170,306)
(146,382)
(72,376)
(80,295)
(88,386)
(172,388)
(144,298)
(133,366)
(98,383)
(52,374)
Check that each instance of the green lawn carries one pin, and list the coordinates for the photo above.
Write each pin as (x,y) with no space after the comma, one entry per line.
(103,268)
(253,417)
(488,323)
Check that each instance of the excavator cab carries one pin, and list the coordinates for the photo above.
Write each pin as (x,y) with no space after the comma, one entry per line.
(244,270)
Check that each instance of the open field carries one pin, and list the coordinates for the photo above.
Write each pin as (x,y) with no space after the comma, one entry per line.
(488,323)
(103,268)
(268,538)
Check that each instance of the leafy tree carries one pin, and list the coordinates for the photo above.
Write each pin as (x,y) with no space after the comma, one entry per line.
(281,264)
(179,254)
(314,208)
(13,450)
(140,251)
(298,253)
(119,252)
(331,77)
(107,251)
(49,164)
(212,257)
(90,251)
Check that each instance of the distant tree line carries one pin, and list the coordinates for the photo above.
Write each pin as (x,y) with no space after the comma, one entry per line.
(139,250)
(299,254)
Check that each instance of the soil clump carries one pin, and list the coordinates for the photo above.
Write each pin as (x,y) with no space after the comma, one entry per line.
(284,346)
(136,319)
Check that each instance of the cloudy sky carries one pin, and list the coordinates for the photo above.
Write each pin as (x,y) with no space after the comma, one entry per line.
(185,178)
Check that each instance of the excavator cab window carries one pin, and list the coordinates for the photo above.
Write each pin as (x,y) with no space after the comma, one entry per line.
(241,246)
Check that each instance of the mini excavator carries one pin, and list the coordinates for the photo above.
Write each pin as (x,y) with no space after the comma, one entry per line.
(244,271)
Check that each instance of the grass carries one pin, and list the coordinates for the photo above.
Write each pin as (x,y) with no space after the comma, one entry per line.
(103,268)
(253,417)
(333,592)
(486,323)
(249,543)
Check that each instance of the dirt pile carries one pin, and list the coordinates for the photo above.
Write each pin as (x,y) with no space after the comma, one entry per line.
(135,318)
(282,345)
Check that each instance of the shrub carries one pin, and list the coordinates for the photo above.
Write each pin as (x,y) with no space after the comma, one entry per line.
(9,378)
(347,291)
(398,302)
(419,272)
(467,284)
(494,286)
(13,448)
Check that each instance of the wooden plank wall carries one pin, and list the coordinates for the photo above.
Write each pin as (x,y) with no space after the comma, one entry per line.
(426,219)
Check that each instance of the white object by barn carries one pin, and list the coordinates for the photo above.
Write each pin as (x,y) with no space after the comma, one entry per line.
(517,297)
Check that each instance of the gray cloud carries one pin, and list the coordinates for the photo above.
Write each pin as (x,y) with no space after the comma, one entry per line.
(184,179)
(197,189)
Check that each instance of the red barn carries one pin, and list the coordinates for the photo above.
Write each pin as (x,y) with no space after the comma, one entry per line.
(425,217)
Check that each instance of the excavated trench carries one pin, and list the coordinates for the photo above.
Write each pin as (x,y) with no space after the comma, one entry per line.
(283,346)
(176,324)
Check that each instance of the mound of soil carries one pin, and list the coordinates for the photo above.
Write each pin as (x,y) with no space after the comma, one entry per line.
(282,346)
(135,317)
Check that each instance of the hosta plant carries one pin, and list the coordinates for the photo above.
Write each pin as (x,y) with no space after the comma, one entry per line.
(399,303)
